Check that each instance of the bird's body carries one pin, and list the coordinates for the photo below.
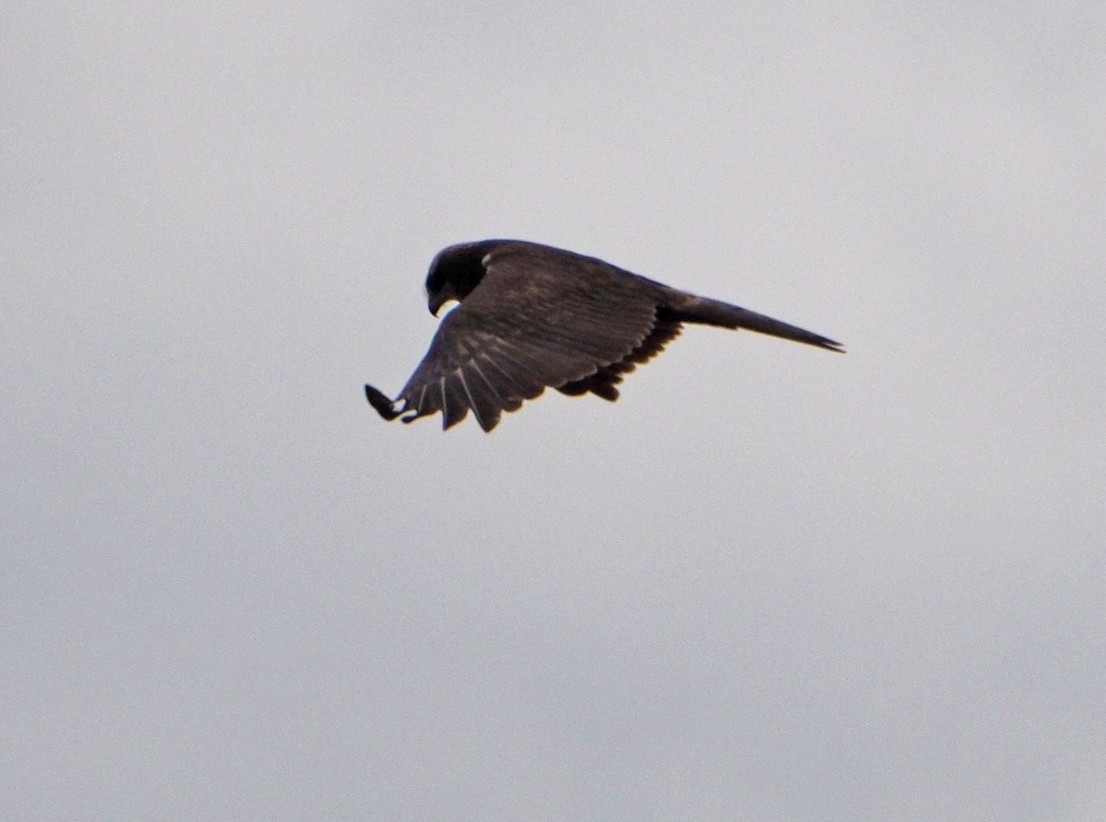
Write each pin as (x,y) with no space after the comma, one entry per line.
(532,316)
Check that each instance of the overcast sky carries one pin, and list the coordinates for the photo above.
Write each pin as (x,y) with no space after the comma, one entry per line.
(769,583)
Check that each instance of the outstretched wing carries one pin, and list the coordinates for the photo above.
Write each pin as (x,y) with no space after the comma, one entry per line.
(537,320)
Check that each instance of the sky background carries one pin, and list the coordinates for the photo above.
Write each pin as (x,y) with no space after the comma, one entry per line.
(770,583)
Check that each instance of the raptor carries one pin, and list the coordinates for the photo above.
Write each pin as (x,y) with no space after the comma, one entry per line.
(533,317)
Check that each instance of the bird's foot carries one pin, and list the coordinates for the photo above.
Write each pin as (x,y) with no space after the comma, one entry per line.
(384,406)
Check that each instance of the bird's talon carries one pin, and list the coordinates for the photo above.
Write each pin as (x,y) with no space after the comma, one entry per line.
(378,400)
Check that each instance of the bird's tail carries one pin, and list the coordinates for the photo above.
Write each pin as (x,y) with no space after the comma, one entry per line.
(693,309)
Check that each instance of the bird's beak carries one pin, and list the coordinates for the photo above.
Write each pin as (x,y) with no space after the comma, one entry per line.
(436,302)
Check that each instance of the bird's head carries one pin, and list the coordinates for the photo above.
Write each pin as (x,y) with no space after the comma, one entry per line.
(454,273)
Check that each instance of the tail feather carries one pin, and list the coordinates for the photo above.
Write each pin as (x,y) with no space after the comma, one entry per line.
(693,309)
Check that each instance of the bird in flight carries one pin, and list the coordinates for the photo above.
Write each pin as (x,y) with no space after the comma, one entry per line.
(532,316)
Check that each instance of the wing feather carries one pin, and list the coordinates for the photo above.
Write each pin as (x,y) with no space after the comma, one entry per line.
(482,398)
(456,406)
(513,387)
(604,381)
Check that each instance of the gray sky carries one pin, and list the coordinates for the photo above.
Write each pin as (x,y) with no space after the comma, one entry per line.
(769,583)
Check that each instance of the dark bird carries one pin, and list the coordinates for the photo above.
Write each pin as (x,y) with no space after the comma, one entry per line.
(532,316)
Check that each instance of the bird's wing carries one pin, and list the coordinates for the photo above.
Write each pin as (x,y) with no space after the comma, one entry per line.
(536,320)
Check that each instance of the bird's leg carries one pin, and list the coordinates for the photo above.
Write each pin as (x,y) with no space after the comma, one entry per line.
(384,406)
